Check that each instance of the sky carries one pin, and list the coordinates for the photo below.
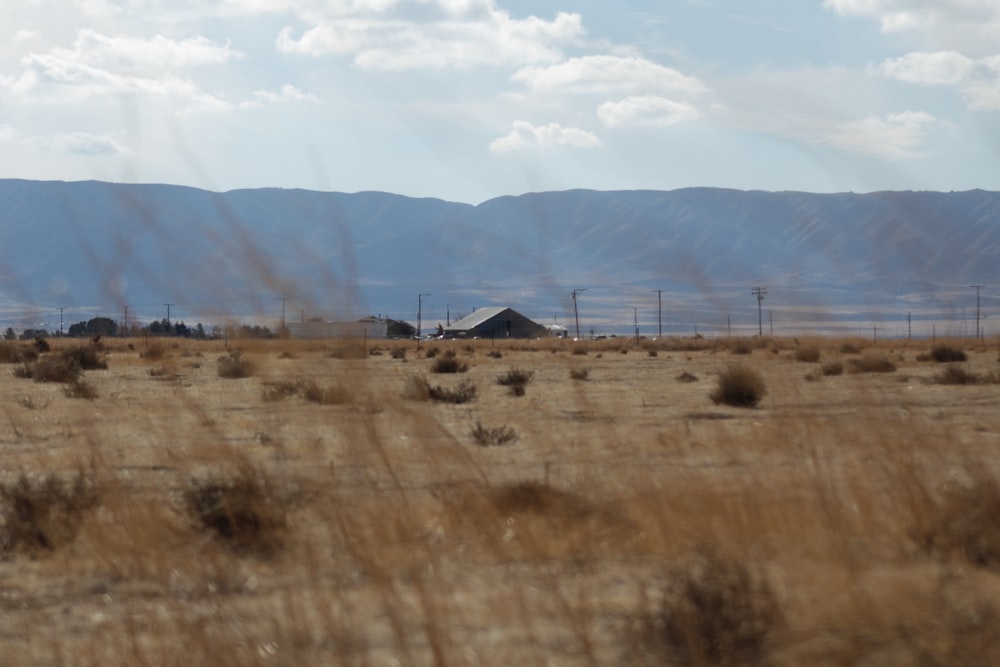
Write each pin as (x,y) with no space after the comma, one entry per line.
(466,100)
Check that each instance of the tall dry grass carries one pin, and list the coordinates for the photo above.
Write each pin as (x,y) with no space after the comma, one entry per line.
(631,521)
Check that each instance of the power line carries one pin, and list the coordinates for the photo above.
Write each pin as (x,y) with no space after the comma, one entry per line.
(659,312)
(420,311)
(576,313)
(978,332)
(759,292)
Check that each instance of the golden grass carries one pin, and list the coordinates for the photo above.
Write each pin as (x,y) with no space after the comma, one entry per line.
(843,520)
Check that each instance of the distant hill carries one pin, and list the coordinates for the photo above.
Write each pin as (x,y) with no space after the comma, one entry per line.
(851,260)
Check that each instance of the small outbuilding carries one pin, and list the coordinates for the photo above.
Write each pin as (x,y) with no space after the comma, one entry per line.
(495,322)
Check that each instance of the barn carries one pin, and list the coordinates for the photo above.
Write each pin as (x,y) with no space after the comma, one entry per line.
(495,322)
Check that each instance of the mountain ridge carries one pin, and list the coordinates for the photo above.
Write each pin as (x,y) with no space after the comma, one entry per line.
(86,245)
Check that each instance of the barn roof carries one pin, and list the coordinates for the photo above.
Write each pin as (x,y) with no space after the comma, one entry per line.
(475,319)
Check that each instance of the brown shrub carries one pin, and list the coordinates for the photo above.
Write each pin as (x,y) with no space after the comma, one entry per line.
(492,437)
(347,351)
(833,368)
(80,388)
(741,347)
(15,353)
(88,357)
(715,611)
(50,368)
(872,363)
(448,363)
(153,351)
(417,388)
(944,354)
(739,386)
(324,395)
(963,523)
(515,380)
(579,374)
(464,392)
(807,354)
(234,366)
(686,377)
(278,390)
(955,374)
(242,509)
(43,514)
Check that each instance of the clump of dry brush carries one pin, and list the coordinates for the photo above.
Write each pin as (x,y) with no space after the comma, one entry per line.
(42,514)
(739,386)
(515,380)
(715,610)
(65,366)
(244,510)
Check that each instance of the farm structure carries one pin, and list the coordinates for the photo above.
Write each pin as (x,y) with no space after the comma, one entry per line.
(495,322)
(369,327)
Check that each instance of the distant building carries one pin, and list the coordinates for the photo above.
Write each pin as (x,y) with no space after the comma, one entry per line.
(557,330)
(369,327)
(495,322)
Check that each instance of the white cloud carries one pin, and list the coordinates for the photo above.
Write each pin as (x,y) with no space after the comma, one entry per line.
(898,15)
(525,136)
(894,136)
(83,143)
(433,34)
(983,95)
(8,133)
(183,10)
(202,103)
(24,35)
(78,143)
(288,93)
(646,110)
(100,65)
(941,67)
(608,73)
(977,79)
(969,26)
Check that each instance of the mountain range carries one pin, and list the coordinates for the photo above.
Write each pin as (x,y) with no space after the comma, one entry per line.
(685,260)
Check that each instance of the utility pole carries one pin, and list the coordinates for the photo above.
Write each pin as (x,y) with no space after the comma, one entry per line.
(576,313)
(909,327)
(759,292)
(61,309)
(659,312)
(420,311)
(635,315)
(447,317)
(126,320)
(168,312)
(283,300)
(978,333)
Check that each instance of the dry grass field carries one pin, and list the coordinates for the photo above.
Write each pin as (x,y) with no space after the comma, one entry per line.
(548,502)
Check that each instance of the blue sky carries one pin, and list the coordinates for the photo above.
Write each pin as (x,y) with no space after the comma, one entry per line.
(471,99)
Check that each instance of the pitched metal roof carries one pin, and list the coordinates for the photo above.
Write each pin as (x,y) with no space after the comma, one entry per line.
(475,319)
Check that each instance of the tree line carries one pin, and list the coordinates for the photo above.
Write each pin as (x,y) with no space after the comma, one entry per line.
(107,328)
